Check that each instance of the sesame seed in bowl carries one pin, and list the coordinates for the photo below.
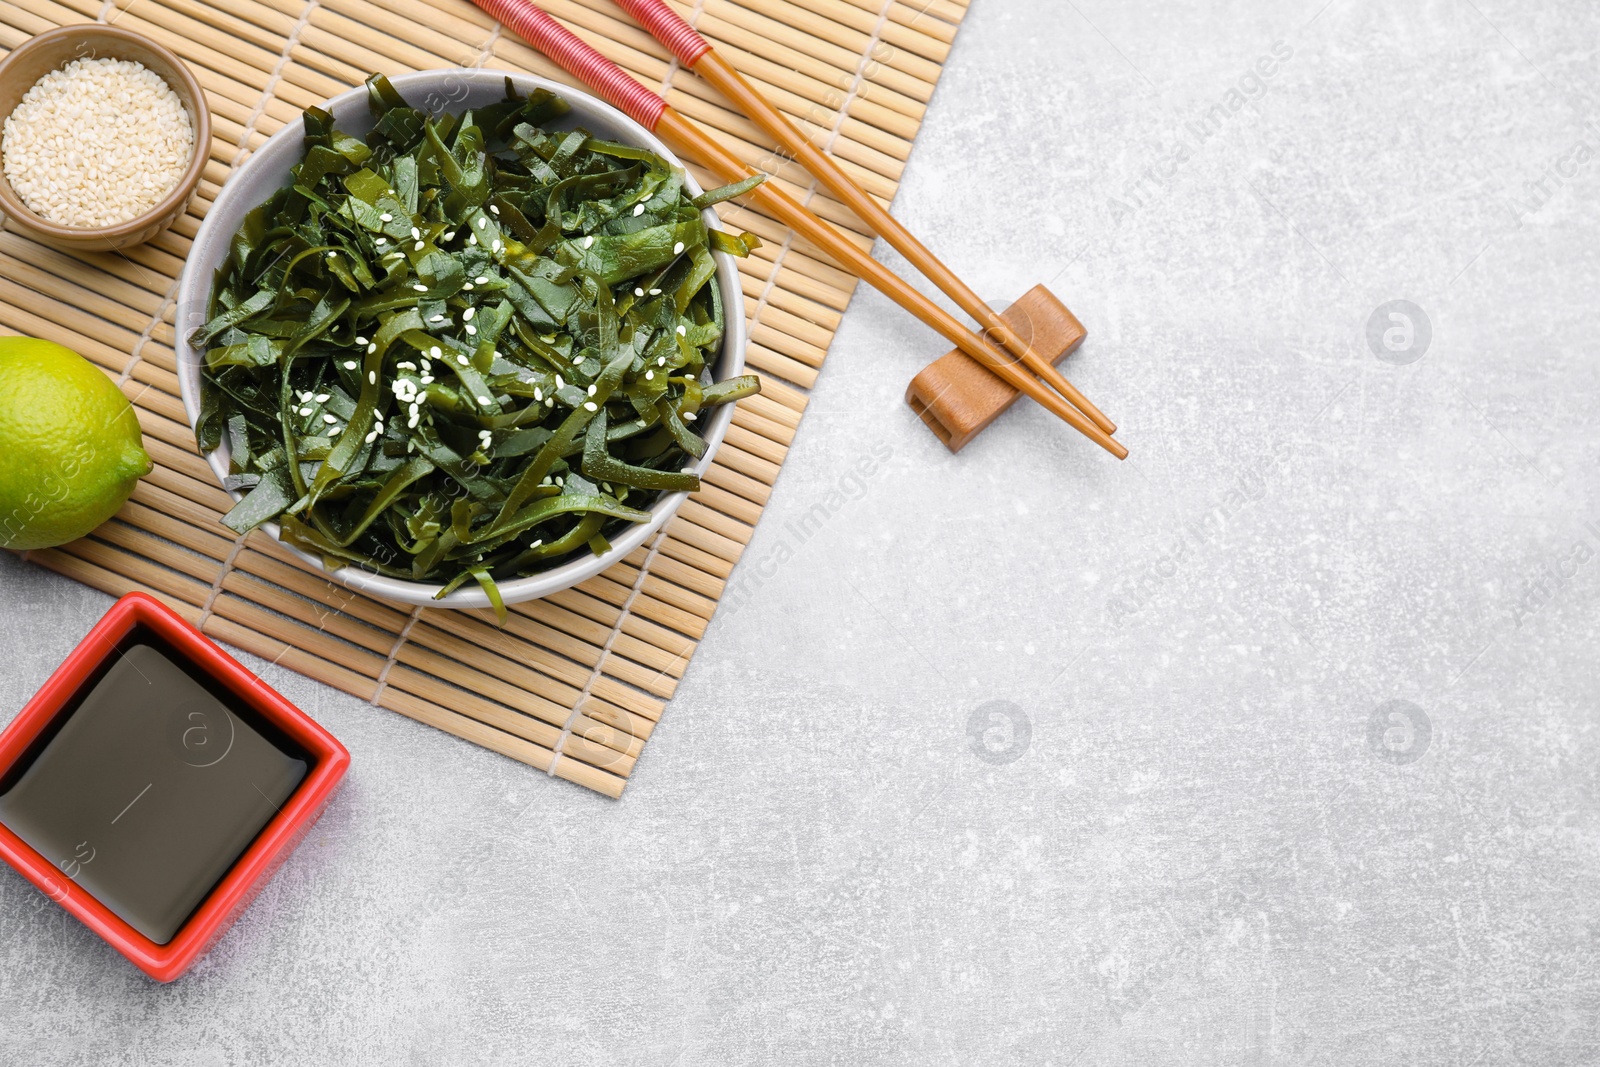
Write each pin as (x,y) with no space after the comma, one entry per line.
(72,156)
(104,135)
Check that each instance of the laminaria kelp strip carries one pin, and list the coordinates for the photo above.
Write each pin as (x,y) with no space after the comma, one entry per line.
(465,348)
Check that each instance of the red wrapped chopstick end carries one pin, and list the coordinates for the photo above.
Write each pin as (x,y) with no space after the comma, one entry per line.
(665,26)
(608,81)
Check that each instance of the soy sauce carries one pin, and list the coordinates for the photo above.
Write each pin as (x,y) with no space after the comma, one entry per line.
(152,786)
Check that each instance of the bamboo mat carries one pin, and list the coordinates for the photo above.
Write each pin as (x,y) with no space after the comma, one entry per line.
(574,684)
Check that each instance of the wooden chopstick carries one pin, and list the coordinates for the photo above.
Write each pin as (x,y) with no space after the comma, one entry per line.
(697,54)
(618,88)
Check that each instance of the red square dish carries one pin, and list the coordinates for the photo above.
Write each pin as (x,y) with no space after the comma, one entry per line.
(236,778)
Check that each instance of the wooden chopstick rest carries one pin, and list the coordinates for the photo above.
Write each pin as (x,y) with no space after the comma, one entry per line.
(956,396)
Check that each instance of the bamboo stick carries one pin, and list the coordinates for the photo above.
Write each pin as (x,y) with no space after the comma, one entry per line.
(353,661)
(283,654)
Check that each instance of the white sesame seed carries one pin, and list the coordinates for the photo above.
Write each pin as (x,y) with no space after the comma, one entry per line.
(661,361)
(372,377)
(435,352)
(577,359)
(72,155)
(588,242)
(361,340)
(321,398)
(371,348)
(649,375)
(549,401)
(419,287)
(655,292)
(472,238)
(451,236)
(638,292)
(415,233)
(472,331)
(683,331)
(559,383)
(589,405)
(371,437)
(638,211)
(677,249)
(329,419)
(538,394)
(496,246)
(688,416)
(494,209)
(381,241)
(482,222)
(333,255)
(427,379)
(419,246)
(437,318)
(466,316)
(483,279)
(593,389)
(304,412)
(385,217)
(485,400)
(467,286)
(350,364)
(462,360)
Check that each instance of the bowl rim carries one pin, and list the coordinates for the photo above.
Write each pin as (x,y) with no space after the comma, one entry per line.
(11,202)
(194,287)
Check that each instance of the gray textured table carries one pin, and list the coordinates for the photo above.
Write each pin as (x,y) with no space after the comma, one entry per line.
(1275,744)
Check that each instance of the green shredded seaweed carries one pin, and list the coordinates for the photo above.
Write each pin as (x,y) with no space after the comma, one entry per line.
(466,348)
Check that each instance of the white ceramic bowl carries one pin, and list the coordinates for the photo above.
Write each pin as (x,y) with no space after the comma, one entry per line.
(442,90)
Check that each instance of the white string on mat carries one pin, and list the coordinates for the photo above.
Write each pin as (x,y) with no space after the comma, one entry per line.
(867,61)
(394,654)
(271,90)
(222,575)
(605,651)
(486,53)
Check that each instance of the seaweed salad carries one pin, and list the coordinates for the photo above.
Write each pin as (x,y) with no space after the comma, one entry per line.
(465,348)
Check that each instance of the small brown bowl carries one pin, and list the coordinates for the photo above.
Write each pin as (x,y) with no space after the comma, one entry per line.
(54,49)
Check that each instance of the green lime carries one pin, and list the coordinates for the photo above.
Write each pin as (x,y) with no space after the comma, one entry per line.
(69,445)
